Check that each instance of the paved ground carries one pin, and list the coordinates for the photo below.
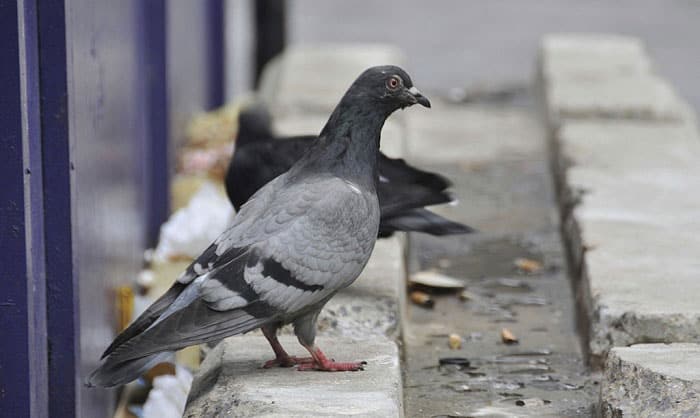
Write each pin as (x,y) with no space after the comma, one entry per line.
(497,158)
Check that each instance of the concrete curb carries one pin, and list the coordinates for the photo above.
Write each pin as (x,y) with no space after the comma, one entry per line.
(626,157)
(231,383)
(652,380)
(625,164)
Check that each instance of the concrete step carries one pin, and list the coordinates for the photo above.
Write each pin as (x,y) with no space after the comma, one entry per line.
(604,76)
(652,380)
(626,179)
(230,382)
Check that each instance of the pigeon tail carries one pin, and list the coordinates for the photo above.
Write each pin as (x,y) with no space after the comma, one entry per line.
(114,373)
(422,220)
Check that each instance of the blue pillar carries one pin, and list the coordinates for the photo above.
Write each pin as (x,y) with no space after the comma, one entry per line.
(62,292)
(23,348)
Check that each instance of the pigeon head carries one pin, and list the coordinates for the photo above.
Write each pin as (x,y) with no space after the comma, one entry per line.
(388,86)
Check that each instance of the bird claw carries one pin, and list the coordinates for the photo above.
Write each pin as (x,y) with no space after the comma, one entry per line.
(288,361)
(332,366)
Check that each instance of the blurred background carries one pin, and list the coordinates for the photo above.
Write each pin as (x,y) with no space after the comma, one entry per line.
(99,97)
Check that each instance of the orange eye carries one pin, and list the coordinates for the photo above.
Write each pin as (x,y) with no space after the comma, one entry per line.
(393,82)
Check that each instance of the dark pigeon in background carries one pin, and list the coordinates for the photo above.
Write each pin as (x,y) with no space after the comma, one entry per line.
(298,240)
(403,190)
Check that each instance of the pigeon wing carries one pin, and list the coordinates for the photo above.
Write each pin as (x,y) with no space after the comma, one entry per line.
(284,260)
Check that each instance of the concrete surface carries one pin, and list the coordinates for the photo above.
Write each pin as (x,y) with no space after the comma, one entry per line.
(231,383)
(604,76)
(497,157)
(626,199)
(652,380)
(313,78)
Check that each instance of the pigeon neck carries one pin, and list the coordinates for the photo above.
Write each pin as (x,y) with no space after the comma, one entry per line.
(356,125)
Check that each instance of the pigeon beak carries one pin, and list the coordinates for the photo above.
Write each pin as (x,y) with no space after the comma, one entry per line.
(420,99)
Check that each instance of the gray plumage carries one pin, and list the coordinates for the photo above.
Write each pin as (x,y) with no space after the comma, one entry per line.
(299,240)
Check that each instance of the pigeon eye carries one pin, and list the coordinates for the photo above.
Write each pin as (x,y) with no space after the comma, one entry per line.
(393,82)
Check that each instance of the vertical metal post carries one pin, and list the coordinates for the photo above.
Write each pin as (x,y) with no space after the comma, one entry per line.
(23,349)
(62,290)
(156,157)
(215,44)
(270,30)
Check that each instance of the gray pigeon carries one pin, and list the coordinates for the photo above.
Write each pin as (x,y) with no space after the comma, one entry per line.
(300,239)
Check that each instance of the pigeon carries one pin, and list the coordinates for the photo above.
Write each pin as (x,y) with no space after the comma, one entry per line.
(299,239)
(403,190)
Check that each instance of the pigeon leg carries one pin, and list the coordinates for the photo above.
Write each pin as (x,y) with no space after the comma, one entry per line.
(282,359)
(322,363)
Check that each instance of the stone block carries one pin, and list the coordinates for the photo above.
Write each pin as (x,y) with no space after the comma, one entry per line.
(313,78)
(230,382)
(652,380)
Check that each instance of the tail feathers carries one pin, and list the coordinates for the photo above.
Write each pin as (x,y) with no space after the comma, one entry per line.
(113,372)
(423,220)
(398,170)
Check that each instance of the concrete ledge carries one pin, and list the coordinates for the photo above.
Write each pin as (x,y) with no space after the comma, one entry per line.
(626,180)
(312,78)
(628,210)
(652,380)
(231,383)
(604,76)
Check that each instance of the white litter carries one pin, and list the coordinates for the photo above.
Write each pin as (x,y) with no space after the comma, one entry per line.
(168,397)
(192,228)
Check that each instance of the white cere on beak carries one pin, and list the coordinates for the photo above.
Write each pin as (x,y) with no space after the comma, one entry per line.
(413,90)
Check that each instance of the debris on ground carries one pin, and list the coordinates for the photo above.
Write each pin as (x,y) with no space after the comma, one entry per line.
(455,341)
(527,265)
(434,282)
(465,295)
(422,299)
(508,337)
(532,402)
(454,361)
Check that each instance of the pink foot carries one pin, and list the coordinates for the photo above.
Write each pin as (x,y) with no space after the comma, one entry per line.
(332,366)
(322,363)
(288,361)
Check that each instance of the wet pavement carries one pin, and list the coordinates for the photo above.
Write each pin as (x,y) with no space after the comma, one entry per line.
(506,192)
